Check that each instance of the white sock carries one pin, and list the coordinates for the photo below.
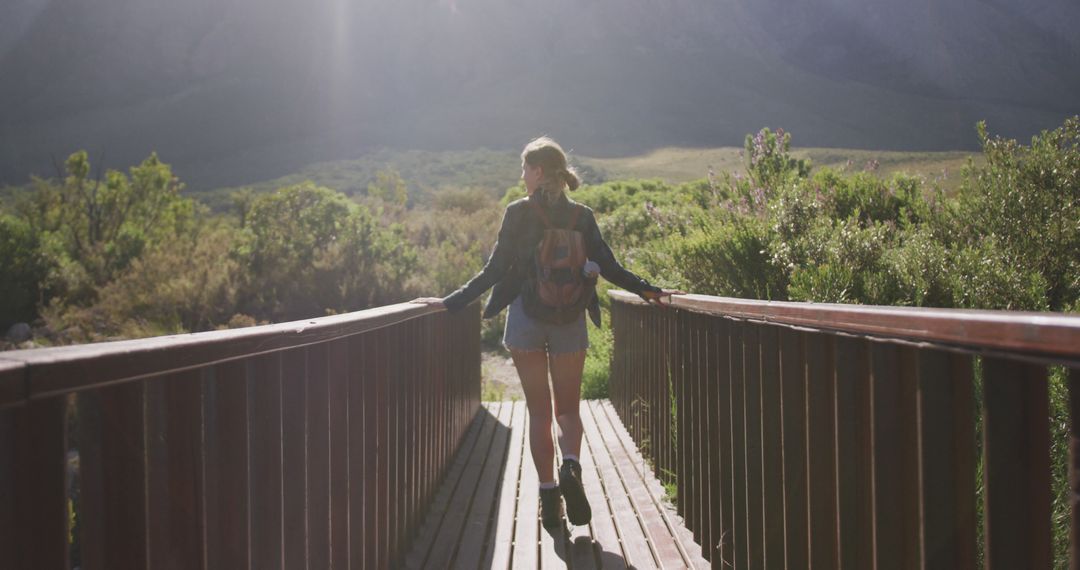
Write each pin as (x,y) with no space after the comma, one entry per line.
(569,456)
(548,485)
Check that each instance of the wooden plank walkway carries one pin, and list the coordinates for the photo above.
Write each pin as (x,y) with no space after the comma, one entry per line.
(485,513)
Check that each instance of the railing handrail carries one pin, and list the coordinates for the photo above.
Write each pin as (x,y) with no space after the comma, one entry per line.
(42,372)
(1050,335)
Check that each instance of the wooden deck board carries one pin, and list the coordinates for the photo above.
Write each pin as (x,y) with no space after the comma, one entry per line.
(430,529)
(608,547)
(480,511)
(485,513)
(527,528)
(673,534)
(634,540)
(500,543)
(581,548)
(553,549)
(448,539)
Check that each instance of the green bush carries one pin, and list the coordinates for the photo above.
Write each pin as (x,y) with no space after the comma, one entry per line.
(91,229)
(179,286)
(843,263)
(1027,198)
(983,276)
(23,269)
(306,251)
(769,163)
(921,267)
(730,259)
(452,245)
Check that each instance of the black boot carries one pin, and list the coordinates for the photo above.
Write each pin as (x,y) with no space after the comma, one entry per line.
(577,505)
(551,508)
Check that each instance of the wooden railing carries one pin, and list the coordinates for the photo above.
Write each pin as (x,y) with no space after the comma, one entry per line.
(312,444)
(802,435)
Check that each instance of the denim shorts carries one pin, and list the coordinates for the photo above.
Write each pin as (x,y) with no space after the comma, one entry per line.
(525,334)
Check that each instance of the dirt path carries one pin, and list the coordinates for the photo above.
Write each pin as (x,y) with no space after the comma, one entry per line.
(499,377)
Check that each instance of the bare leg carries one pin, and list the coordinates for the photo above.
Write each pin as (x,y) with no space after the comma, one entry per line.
(566,372)
(532,369)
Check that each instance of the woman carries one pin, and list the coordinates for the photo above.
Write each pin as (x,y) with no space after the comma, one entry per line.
(539,347)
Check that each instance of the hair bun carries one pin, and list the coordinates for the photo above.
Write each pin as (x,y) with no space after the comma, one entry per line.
(570,177)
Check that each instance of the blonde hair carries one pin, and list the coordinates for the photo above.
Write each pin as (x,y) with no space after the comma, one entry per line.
(558,176)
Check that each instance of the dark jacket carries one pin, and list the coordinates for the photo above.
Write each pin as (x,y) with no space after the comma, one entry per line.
(521,231)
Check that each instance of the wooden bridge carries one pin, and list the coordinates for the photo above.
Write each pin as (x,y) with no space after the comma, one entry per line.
(789,435)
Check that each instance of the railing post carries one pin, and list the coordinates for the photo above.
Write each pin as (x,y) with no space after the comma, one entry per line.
(710,344)
(1074,468)
(296,474)
(896,461)
(113,471)
(947,452)
(339,493)
(755,522)
(690,494)
(689,429)
(821,450)
(633,341)
(741,529)
(265,491)
(39,465)
(793,404)
(9,517)
(374,496)
(854,453)
(174,463)
(665,375)
(359,472)
(772,460)
(1017,465)
(384,514)
(395,466)
(228,526)
(705,383)
(318,456)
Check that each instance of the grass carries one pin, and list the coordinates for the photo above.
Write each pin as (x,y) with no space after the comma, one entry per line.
(594,379)
(424,172)
(497,383)
(491,391)
(428,172)
(670,164)
(677,165)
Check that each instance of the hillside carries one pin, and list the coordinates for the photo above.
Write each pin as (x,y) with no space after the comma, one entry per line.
(232,91)
(427,172)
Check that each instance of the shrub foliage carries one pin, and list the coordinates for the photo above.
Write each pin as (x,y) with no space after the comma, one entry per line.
(97,255)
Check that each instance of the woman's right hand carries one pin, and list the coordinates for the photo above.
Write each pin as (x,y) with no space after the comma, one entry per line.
(432,301)
(655,297)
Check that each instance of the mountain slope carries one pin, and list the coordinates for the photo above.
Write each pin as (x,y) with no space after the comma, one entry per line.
(235,90)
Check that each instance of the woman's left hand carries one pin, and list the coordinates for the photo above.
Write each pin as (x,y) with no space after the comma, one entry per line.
(656,297)
(433,301)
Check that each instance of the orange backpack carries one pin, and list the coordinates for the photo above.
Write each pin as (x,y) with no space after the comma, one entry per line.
(557,291)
